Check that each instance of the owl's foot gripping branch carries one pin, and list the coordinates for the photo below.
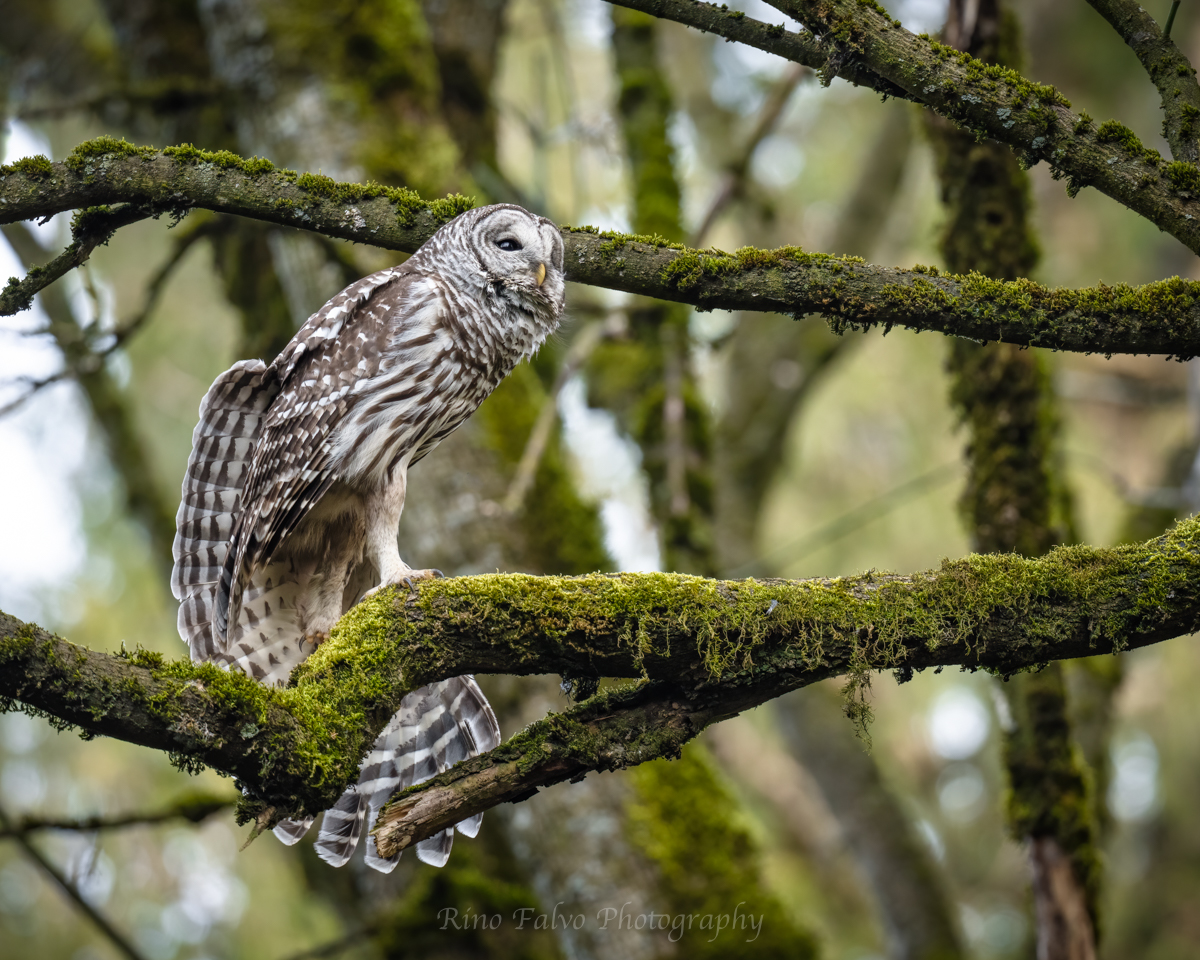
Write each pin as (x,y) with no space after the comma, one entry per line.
(698,651)
(112,183)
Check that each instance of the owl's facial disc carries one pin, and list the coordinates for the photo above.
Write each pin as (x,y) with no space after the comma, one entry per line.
(521,257)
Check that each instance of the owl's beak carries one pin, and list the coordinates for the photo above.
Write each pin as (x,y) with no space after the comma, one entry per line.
(541,273)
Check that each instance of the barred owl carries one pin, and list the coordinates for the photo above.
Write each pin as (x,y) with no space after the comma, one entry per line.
(297,476)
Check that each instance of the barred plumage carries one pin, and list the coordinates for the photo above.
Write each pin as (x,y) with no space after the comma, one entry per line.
(298,472)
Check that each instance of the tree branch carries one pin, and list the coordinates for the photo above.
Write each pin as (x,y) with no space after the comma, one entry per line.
(737,171)
(582,345)
(1161,317)
(192,807)
(1170,71)
(118,940)
(859,41)
(803,48)
(708,648)
(88,232)
(109,404)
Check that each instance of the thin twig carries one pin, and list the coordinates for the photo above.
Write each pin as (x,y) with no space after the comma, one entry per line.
(92,361)
(118,939)
(33,387)
(852,520)
(577,355)
(18,295)
(1170,20)
(143,496)
(193,808)
(183,243)
(734,182)
(674,421)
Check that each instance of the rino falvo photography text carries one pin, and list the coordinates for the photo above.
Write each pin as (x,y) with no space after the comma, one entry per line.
(627,916)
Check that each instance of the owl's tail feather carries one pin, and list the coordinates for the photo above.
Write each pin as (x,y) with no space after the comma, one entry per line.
(292,831)
(436,726)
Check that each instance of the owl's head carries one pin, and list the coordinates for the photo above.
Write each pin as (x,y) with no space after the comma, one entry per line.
(521,257)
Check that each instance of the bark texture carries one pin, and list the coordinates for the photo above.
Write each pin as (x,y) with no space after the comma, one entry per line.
(1014,499)
(1160,317)
(862,43)
(704,650)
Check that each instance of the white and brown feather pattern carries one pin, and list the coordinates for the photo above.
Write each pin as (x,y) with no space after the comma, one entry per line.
(298,473)
(231,416)
(436,727)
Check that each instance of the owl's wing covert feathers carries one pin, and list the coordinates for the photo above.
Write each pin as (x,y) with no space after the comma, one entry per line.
(290,469)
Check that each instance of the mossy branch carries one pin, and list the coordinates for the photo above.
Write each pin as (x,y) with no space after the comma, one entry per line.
(803,48)
(702,649)
(90,229)
(991,101)
(1161,317)
(1170,71)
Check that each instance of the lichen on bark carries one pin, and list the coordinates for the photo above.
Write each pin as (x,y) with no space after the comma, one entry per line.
(1160,317)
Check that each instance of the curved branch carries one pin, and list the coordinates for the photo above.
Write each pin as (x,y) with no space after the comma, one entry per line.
(270,740)
(88,232)
(997,612)
(1161,317)
(802,48)
(860,40)
(707,648)
(1169,70)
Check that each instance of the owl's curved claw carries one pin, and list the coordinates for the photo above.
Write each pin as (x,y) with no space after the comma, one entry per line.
(408,580)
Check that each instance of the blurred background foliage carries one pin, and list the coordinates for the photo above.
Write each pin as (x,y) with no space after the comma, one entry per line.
(705,442)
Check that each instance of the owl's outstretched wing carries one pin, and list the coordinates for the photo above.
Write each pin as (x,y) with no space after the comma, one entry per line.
(339,348)
(231,419)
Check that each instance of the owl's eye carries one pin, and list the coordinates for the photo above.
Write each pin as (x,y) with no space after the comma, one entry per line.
(509,244)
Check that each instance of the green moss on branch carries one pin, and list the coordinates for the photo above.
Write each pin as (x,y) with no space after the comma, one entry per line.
(710,648)
(1161,317)
(1167,67)
(990,100)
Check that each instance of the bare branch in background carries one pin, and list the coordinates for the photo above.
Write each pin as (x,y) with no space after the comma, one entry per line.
(734,183)
(335,947)
(581,348)
(93,360)
(114,936)
(1032,119)
(89,233)
(109,404)
(193,807)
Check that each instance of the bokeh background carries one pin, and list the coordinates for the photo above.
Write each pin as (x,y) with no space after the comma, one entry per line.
(807,455)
